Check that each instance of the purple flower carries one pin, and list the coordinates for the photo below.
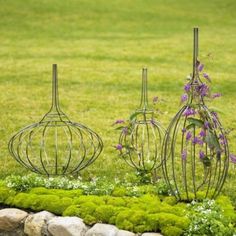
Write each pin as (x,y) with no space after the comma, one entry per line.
(184,98)
(214,118)
(221,136)
(202,133)
(119,147)
(203,89)
(119,122)
(222,139)
(214,114)
(155,100)
(197,140)
(184,130)
(232,158)
(223,142)
(189,111)
(216,95)
(206,76)
(188,135)
(206,124)
(184,155)
(200,67)
(201,154)
(187,87)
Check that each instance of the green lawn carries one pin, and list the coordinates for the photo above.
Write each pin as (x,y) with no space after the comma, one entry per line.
(100,48)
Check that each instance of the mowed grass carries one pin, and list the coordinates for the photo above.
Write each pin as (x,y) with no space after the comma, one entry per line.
(100,48)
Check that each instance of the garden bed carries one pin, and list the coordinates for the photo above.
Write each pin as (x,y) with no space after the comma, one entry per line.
(139,211)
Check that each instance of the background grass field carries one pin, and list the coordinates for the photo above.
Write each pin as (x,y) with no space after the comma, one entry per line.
(100,48)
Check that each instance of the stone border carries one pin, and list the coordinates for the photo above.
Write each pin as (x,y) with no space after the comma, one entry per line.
(15,222)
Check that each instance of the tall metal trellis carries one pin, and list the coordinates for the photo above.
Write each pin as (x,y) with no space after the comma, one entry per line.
(142,138)
(55,145)
(195,151)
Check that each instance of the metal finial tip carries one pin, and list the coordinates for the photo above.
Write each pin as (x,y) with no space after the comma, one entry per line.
(54,66)
(144,71)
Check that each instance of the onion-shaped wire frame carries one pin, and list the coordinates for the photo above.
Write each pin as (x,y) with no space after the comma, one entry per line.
(55,145)
(195,150)
(142,139)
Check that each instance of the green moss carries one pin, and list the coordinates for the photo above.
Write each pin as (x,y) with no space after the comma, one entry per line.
(123,222)
(90,198)
(85,210)
(63,203)
(105,212)
(6,193)
(201,195)
(137,214)
(153,222)
(9,200)
(168,219)
(161,221)
(119,192)
(172,231)
(71,211)
(176,209)
(171,200)
(132,220)
(57,192)
(24,200)
(227,207)
(150,203)
(35,202)
(115,201)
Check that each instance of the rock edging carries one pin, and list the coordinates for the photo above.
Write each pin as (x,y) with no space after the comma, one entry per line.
(15,222)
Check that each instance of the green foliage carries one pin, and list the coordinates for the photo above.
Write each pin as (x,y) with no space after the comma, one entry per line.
(170,219)
(144,176)
(91,198)
(227,208)
(57,192)
(115,201)
(104,213)
(119,192)
(200,195)
(35,202)
(172,231)
(99,186)
(24,183)
(207,218)
(85,210)
(171,200)
(140,221)
(6,193)
(131,219)
(138,214)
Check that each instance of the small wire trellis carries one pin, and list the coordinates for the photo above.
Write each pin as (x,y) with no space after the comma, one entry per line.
(55,145)
(195,150)
(141,139)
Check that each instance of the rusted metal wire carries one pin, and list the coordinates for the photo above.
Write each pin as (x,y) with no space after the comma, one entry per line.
(142,139)
(195,151)
(55,145)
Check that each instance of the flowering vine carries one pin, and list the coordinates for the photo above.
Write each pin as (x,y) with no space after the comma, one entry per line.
(202,127)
